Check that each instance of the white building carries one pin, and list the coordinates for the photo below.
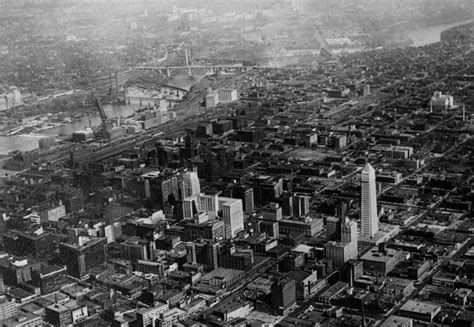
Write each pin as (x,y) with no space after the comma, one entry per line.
(231,209)
(341,252)
(440,102)
(232,214)
(368,203)
(190,184)
(53,214)
(10,99)
(227,95)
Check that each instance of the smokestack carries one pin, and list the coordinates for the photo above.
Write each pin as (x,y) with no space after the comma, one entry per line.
(110,82)
(382,248)
(116,82)
(187,57)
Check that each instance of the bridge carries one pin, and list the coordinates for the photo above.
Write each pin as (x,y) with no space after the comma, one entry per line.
(190,68)
(213,68)
(150,101)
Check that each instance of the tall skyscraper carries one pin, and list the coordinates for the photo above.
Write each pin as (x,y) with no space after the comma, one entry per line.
(368,203)
(190,184)
(345,249)
(348,231)
(349,237)
(232,215)
(333,229)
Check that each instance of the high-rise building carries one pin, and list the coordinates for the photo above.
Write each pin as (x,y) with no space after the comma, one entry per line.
(368,203)
(50,278)
(16,271)
(82,257)
(207,254)
(189,184)
(286,201)
(300,205)
(135,248)
(232,258)
(190,253)
(231,210)
(7,307)
(342,251)
(232,215)
(283,295)
(348,232)
(245,193)
(161,188)
(333,229)
(209,204)
(272,211)
(349,237)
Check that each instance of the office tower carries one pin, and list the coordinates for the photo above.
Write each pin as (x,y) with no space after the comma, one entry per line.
(89,253)
(333,229)
(338,252)
(135,248)
(342,208)
(342,251)
(349,237)
(190,207)
(269,227)
(283,295)
(245,193)
(300,205)
(368,203)
(286,201)
(209,204)
(160,188)
(190,184)
(272,211)
(50,278)
(348,231)
(112,232)
(190,253)
(8,308)
(232,258)
(207,254)
(16,271)
(232,215)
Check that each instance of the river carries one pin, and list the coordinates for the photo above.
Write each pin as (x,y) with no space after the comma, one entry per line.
(421,36)
(27,142)
(432,34)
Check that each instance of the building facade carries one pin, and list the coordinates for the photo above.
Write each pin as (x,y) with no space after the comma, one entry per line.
(368,203)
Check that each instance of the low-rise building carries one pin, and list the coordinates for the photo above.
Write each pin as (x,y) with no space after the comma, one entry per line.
(420,310)
(23,319)
(381,262)
(397,321)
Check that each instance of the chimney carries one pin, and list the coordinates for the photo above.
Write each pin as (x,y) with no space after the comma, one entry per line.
(382,248)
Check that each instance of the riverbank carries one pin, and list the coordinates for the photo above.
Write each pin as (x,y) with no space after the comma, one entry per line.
(431,34)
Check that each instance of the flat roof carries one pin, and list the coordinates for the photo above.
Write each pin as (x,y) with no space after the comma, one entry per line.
(395,321)
(421,307)
(375,255)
